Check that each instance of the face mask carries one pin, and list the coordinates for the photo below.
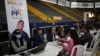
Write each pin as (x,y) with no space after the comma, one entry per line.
(18,36)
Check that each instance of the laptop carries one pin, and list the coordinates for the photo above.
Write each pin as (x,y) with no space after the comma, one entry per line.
(38,49)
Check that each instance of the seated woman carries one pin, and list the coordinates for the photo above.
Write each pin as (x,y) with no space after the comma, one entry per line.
(61,32)
(18,44)
(68,43)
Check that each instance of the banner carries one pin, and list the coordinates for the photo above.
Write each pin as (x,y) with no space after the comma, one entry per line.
(16,10)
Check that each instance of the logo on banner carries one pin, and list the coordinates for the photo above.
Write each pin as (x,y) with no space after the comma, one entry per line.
(11,2)
(16,14)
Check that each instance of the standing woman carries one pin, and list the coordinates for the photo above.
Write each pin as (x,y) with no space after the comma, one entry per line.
(18,43)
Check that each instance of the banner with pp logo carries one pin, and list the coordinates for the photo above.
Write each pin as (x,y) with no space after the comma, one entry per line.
(16,10)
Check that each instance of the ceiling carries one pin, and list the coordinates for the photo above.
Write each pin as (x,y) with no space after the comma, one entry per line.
(84,0)
(77,0)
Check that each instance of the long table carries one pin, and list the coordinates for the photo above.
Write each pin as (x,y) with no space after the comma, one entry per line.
(51,49)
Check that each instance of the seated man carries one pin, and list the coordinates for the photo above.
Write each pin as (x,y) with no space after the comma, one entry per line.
(18,43)
(20,26)
(38,38)
(86,37)
(24,35)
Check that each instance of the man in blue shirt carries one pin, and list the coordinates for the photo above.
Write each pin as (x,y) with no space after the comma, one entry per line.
(38,38)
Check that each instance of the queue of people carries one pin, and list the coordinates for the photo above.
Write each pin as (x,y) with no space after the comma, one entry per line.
(68,39)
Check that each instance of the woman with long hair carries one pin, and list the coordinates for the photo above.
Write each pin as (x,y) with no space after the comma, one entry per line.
(71,39)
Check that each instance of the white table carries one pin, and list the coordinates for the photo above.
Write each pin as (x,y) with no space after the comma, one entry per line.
(51,49)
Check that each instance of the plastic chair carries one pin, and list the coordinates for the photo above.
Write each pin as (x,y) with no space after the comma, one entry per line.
(94,49)
(93,46)
(85,46)
(80,50)
(96,37)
